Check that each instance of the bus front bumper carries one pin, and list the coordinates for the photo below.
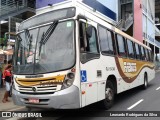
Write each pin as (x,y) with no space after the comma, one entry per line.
(64,99)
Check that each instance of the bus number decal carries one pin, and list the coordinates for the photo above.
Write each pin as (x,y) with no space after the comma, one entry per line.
(83,76)
(110,68)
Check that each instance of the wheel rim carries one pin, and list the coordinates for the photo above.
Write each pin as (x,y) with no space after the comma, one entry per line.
(109,94)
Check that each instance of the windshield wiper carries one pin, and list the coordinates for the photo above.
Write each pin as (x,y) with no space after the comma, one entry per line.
(46,35)
(49,32)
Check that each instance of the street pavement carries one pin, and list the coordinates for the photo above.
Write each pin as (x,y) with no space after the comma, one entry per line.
(8,105)
(129,101)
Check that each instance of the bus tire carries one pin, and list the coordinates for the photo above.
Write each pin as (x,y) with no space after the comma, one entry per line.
(109,95)
(145,85)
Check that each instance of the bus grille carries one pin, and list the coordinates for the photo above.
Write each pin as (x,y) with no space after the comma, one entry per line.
(42,85)
(39,90)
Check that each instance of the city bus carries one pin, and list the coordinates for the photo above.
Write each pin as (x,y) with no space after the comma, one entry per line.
(70,56)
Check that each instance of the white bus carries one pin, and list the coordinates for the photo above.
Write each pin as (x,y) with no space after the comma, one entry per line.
(69,57)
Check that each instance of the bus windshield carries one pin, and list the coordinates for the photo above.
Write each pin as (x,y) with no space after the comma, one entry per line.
(45,49)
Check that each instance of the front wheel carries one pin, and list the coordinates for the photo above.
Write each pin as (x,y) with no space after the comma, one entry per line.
(109,95)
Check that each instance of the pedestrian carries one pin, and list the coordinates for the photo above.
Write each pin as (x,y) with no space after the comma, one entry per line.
(10,92)
(7,79)
(3,66)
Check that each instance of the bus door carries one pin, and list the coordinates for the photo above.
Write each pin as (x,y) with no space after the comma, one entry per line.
(89,62)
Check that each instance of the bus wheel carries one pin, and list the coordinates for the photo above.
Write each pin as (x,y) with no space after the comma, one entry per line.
(109,95)
(145,85)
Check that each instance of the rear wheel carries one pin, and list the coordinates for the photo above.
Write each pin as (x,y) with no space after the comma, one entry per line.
(145,85)
(109,95)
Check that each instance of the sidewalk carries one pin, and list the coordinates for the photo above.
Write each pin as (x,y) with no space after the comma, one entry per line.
(8,105)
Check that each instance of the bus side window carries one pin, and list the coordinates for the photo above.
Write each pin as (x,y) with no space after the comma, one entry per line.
(88,42)
(134,50)
(150,55)
(130,49)
(137,51)
(139,48)
(81,36)
(106,41)
(147,57)
(121,45)
(143,53)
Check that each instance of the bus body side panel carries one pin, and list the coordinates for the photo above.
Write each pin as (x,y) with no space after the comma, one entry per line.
(94,74)
(131,73)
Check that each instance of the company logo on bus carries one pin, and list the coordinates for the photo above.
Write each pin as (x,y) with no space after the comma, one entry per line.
(34,89)
(130,67)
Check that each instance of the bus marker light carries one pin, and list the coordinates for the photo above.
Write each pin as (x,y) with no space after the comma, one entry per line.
(83,92)
(90,85)
(73,70)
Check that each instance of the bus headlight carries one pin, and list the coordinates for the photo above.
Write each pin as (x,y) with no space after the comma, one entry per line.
(68,80)
(70,75)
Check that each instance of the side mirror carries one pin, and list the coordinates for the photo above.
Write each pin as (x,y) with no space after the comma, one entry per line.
(89,31)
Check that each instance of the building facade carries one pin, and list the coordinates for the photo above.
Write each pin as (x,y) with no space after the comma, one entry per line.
(12,12)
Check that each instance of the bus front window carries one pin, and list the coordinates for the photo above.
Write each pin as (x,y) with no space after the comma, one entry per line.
(46,52)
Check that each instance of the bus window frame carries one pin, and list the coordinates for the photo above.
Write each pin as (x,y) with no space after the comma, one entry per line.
(95,55)
(139,47)
(146,54)
(134,57)
(143,57)
(149,55)
(136,51)
(117,46)
(113,41)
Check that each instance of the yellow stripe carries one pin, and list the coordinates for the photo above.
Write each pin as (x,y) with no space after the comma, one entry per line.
(39,81)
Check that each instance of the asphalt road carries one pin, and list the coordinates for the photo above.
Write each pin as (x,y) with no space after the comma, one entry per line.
(129,101)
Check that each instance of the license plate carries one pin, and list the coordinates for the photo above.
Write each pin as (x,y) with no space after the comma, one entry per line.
(33,100)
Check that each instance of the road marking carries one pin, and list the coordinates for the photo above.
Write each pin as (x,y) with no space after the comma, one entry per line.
(16,109)
(158,88)
(135,104)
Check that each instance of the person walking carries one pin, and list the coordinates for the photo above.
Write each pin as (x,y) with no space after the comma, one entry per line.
(7,79)
(3,67)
